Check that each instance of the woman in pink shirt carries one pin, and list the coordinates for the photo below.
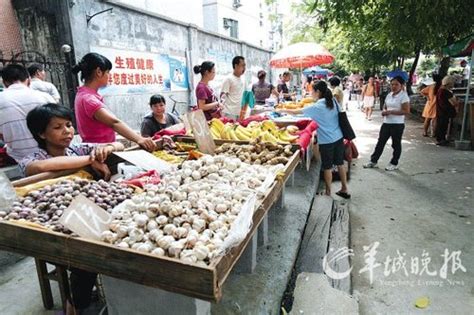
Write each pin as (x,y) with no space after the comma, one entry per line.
(95,123)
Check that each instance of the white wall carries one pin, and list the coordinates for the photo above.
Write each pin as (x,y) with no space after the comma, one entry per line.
(248,16)
(187,11)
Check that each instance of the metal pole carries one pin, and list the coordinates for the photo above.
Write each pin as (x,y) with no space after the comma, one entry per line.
(464,118)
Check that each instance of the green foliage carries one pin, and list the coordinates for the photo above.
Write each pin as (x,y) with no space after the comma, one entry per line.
(372,34)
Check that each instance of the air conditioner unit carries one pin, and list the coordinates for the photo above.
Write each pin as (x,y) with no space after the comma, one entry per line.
(236,4)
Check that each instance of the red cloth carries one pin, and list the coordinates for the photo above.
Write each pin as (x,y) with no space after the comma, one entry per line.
(248,120)
(226,120)
(305,135)
(150,177)
(166,132)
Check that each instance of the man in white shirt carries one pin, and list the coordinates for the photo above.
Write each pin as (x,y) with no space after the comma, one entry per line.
(233,89)
(38,83)
(15,103)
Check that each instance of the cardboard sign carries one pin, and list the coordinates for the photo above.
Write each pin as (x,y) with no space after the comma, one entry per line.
(145,160)
(201,132)
(85,218)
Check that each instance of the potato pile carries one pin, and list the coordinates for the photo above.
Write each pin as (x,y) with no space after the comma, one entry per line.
(46,205)
(258,152)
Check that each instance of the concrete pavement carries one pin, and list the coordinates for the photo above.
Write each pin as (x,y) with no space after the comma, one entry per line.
(419,211)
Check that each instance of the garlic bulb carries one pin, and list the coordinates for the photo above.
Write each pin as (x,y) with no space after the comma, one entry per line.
(136,235)
(175,248)
(188,256)
(221,208)
(201,252)
(123,245)
(141,219)
(165,241)
(108,237)
(155,234)
(162,220)
(122,231)
(169,229)
(151,225)
(199,225)
(196,175)
(146,248)
(180,233)
(158,251)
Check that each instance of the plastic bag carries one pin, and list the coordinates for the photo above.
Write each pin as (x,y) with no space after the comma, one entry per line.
(149,178)
(7,193)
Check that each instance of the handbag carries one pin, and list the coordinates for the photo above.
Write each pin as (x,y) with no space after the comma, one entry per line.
(346,128)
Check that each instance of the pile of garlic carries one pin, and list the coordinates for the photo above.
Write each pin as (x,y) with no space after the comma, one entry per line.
(190,213)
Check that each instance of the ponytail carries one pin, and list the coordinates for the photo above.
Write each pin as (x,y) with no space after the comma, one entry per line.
(206,66)
(89,63)
(322,87)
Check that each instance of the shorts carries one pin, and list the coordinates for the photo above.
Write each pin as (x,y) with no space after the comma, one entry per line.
(369,101)
(332,154)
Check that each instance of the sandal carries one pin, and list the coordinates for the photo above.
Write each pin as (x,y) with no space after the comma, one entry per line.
(343,194)
(425,135)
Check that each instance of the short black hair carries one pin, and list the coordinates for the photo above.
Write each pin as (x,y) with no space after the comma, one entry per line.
(89,63)
(334,81)
(236,61)
(157,98)
(399,79)
(38,119)
(34,68)
(14,72)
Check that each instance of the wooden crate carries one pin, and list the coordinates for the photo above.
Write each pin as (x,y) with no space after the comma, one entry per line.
(163,272)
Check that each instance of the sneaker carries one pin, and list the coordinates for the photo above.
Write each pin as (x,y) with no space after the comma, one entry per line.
(391,167)
(370,165)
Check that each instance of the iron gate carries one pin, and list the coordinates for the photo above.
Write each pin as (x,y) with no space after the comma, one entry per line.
(58,72)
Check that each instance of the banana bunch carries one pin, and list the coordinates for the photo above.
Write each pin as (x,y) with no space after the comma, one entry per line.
(266,130)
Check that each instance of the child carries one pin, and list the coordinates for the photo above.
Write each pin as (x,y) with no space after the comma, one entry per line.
(95,123)
(51,126)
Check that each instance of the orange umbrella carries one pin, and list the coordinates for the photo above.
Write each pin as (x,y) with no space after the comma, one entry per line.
(301,55)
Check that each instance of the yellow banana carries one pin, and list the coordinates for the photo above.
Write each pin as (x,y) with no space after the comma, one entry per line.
(246,132)
(268,137)
(284,136)
(292,129)
(256,133)
(218,123)
(214,132)
(269,125)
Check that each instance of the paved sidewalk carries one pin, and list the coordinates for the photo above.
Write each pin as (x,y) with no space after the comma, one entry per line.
(426,206)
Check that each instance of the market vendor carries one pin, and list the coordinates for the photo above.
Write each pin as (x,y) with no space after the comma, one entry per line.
(263,90)
(96,123)
(283,87)
(206,98)
(158,119)
(51,127)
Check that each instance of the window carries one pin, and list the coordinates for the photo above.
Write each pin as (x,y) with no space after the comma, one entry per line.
(232,26)
(261,23)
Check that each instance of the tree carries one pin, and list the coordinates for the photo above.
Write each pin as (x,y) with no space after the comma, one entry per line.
(402,27)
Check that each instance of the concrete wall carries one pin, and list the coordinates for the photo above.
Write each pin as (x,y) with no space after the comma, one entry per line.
(131,29)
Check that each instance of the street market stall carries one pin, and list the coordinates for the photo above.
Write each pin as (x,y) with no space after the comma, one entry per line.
(35,225)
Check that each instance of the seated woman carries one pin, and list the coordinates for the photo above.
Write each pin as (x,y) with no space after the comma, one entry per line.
(158,119)
(51,126)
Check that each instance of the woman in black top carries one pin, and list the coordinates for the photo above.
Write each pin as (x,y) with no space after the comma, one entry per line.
(158,119)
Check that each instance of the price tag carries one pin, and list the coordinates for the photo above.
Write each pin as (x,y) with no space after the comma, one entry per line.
(145,160)
(201,132)
(85,218)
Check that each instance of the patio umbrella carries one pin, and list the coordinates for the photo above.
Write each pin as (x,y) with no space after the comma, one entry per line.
(317,70)
(398,73)
(301,55)
(463,47)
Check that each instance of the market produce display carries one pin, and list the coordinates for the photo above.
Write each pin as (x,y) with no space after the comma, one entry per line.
(169,157)
(46,205)
(190,213)
(296,105)
(266,129)
(258,152)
